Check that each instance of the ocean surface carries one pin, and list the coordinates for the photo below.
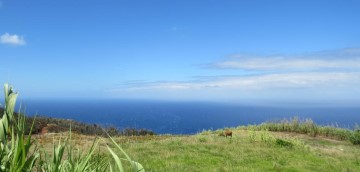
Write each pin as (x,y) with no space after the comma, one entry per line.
(184,117)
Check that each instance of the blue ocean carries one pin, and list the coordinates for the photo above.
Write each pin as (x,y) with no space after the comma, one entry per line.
(184,117)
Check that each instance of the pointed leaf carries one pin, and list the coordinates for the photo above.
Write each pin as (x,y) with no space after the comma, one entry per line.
(117,159)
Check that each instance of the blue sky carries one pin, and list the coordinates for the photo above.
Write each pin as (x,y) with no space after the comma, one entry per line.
(230,50)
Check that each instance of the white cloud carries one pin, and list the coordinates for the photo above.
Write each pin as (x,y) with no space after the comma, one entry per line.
(309,87)
(340,59)
(279,63)
(256,82)
(328,75)
(12,39)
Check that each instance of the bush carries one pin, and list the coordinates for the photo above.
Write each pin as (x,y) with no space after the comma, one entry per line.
(284,143)
(202,140)
(355,137)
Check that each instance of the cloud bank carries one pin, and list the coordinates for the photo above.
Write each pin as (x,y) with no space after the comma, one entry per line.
(329,74)
(9,39)
(341,59)
(255,82)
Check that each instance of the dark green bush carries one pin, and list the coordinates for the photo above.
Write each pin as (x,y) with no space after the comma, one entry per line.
(355,137)
(284,143)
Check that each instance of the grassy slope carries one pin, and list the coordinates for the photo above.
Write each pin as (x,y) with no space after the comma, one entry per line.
(210,152)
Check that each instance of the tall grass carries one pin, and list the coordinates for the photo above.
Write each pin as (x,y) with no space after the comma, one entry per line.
(307,126)
(18,154)
(355,137)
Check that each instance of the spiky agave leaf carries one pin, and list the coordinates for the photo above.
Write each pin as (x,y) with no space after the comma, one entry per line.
(6,120)
(15,155)
(136,167)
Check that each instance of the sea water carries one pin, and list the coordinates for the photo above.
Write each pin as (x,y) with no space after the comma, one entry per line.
(184,117)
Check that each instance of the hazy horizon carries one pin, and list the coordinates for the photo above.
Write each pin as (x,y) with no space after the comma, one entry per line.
(247,103)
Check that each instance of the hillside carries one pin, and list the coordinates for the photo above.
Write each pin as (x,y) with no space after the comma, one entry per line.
(44,124)
(247,150)
(296,146)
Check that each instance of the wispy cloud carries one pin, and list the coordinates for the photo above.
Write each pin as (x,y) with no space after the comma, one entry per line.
(255,82)
(339,59)
(9,39)
(325,74)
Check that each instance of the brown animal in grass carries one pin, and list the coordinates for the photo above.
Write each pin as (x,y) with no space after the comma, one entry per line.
(228,133)
(44,130)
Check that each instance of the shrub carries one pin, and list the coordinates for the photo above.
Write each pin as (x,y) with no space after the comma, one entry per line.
(252,136)
(283,143)
(355,137)
(202,139)
(266,137)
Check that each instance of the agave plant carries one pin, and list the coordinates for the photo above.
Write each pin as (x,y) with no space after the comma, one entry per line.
(7,117)
(72,162)
(14,148)
(15,154)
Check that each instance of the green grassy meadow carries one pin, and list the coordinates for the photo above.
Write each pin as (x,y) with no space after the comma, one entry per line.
(247,150)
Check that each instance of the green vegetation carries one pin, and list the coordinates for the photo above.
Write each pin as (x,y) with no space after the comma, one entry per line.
(20,154)
(247,150)
(14,149)
(283,143)
(355,137)
(310,128)
(57,125)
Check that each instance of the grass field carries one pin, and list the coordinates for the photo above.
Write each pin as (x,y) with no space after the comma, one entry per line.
(247,150)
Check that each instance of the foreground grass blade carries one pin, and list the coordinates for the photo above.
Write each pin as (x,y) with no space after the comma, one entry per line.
(117,160)
(136,167)
(84,164)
